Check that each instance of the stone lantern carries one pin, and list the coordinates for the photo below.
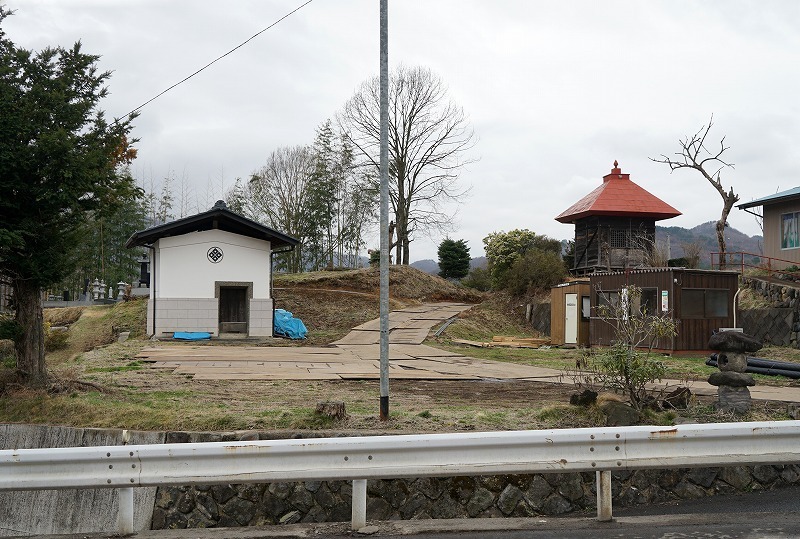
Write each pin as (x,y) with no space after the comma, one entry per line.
(96,289)
(121,287)
(732,382)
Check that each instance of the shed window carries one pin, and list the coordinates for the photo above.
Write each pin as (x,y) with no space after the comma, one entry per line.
(607,299)
(789,230)
(586,307)
(704,303)
(647,303)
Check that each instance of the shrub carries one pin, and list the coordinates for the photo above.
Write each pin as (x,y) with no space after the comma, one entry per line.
(504,248)
(625,367)
(535,271)
(479,279)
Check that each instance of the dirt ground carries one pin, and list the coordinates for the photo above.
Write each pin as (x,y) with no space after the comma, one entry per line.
(135,396)
(99,382)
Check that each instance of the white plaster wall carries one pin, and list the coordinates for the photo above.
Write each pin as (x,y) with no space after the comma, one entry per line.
(184,271)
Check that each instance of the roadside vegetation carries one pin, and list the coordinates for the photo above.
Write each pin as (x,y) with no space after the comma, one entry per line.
(98,382)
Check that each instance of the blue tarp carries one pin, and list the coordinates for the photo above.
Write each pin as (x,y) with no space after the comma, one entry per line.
(286,324)
(191,335)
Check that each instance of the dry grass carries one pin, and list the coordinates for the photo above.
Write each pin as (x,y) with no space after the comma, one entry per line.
(64,316)
(329,314)
(499,314)
(749,299)
(97,326)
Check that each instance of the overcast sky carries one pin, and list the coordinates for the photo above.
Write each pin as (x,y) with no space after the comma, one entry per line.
(556,91)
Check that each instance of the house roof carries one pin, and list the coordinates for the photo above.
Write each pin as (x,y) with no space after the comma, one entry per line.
(618,196)
(783,196)
(220,218)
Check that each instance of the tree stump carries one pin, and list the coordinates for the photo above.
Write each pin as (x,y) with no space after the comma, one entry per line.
(334,410)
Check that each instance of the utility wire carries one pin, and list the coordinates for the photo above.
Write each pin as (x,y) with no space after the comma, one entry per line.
(240,45)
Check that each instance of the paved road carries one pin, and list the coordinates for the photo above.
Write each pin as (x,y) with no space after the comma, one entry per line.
(758,515)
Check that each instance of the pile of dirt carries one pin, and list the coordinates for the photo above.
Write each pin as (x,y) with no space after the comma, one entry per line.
(405,283)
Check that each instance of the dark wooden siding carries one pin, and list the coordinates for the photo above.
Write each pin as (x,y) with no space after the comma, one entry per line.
(611,243)
(693,333)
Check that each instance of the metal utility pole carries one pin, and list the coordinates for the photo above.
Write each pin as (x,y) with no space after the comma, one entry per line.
(384,163)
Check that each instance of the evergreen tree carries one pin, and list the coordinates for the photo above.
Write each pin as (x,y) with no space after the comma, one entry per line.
(59,166)
(101,254)
(454,259)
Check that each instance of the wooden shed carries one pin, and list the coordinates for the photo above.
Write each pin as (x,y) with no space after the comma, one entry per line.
(570,305)
(701,301)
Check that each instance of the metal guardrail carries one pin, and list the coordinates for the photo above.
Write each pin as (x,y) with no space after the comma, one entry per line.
(736,261)
(383,457)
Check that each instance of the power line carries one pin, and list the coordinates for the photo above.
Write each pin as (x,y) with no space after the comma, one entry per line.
(240,45)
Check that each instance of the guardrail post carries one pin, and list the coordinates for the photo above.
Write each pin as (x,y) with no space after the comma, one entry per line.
(603,495)
(359,504)
(125,513)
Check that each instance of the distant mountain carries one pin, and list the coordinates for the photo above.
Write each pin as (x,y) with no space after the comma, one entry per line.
(705,235)
(432,267)
(427,265)
(478,262)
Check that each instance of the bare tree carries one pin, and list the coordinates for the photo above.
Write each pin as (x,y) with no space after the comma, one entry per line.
(428,138)
(278,195)
(692,252)
(695,155)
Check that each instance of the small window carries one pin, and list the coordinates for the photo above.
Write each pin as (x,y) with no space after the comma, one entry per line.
(647,302)
(704,303)
(620,238)
(586,307)
(789,232)
(716,303)
(608,299)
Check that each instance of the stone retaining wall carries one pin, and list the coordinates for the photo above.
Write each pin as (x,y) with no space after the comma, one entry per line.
(778,325)
(453,497)
(540,317)
(330,501)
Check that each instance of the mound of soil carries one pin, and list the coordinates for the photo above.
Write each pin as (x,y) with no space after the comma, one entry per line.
(405,283)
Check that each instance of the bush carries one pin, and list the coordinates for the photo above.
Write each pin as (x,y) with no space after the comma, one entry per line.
(537,270)
(505,248)
(8,356)
(624,367)
(628,371)
(479,279)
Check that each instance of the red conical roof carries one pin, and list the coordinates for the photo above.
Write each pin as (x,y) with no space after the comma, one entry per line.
(618,196)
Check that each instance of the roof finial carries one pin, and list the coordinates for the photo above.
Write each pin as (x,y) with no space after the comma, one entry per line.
(616,165)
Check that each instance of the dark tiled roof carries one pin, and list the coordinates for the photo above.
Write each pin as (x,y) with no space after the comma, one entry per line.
(219,217)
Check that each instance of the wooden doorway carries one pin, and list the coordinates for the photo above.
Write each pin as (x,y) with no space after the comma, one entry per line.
(233,309)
